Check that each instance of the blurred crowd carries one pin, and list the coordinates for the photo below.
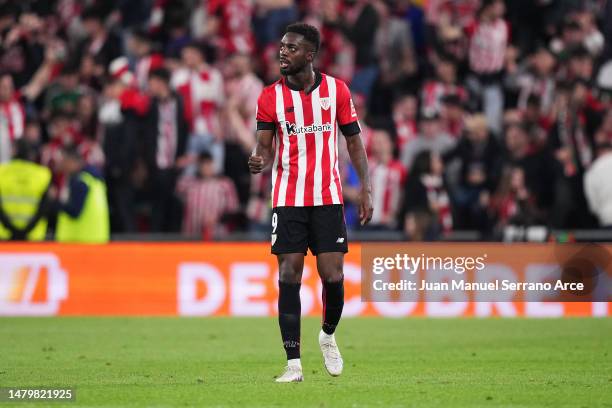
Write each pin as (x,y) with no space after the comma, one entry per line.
(484,115)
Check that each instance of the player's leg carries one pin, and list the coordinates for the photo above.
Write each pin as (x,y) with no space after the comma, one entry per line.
(328,241)
(289,243)
(330,266)
(290,267)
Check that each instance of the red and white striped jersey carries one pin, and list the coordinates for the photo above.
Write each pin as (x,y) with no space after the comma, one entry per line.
(305,170)
(203,97)
(235,34)
(488,44)
(144,66)
(206,201)
(433,92)
(387,181)
(12,118)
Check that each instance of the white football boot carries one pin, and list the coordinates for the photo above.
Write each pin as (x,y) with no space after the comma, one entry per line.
(331,354)
(293,373)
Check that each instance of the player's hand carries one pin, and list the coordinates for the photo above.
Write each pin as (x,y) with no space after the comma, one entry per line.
(365,206)
(256,164)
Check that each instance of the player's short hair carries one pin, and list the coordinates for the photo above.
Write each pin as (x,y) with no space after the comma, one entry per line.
(310,33)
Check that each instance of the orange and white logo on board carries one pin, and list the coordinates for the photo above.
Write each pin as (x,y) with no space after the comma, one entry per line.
(31,284)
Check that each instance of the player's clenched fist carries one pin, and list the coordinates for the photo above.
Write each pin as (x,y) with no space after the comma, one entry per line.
(256,164)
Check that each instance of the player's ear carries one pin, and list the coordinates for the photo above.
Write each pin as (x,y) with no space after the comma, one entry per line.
(310,56)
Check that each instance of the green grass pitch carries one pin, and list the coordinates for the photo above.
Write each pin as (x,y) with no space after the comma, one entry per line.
(231,362)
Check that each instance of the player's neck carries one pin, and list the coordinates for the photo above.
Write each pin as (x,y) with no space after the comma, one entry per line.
(303,80)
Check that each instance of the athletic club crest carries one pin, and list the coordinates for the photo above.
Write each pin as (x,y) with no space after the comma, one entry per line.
(325,103)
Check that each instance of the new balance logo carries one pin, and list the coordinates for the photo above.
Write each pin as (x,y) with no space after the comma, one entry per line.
(289,109)
(293,129)
(340,240)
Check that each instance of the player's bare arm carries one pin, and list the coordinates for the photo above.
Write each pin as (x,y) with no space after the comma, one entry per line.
(360,162)
(263,154)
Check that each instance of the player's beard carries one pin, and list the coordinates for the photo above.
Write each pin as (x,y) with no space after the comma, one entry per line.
(292,69)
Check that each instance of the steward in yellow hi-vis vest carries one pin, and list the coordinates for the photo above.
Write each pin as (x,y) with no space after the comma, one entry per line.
(83,216)
(24,201)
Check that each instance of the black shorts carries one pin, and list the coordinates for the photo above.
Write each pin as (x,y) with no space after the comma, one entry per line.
(320,228)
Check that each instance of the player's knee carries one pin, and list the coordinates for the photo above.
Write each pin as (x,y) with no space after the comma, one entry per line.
(289,272)
(333,275)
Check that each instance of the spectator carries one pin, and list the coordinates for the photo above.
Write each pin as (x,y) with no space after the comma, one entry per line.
(578,65)
(461,12)
(478,153)
(597,186)
(452,115)
(166,145)
(13,103)
(593,38)
(387,175)
(87,117)
(83,205)
(513,204)
(571,37)
(62,132)
(572,134)
(88,127)
(431,138)
(170,21)
(33,134)
(201,87)
(207,198)
(571,139)
(336,55)
(121,115)
(361,108)
(536,78)
(228,25)
(404,119)
(146,59)
(537,168)
(271,17)
(104,46)
(64,93)
(258,210)
(604,133)
(24,195)
(489,38)
(358,21)
(535,122)
(443,85)
(449,42)
(393,46)
(23,47)
(426,213)
(12,114)
(242,90)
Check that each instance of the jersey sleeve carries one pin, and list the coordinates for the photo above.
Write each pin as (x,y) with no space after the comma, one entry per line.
(346,113)
(266,118)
